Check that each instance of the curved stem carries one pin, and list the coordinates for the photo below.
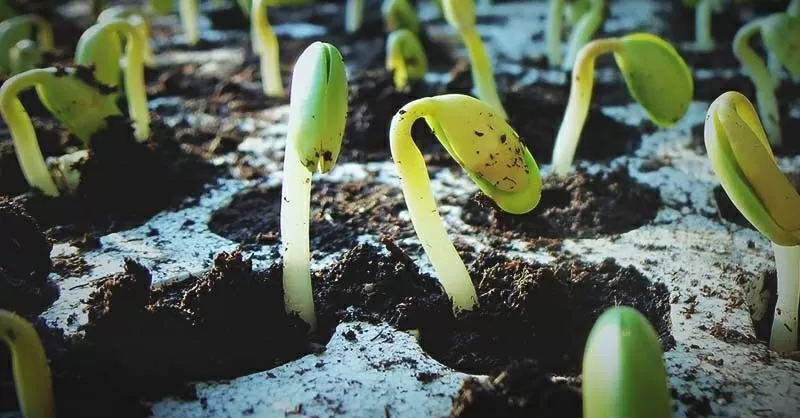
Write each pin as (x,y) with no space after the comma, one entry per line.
(44,35)
(582,33)
(416,185)
(580,97)
(784,326)
(762,79)
(134,74)
(189,13)
(354,15)
(482,73)
(295,213)
(702,26)
(268,48)
(30,367)
(553,33)
(26,144)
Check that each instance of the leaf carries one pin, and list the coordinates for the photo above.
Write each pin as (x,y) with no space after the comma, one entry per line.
(781,35)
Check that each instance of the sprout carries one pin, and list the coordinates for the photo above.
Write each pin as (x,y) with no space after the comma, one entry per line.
(79,104)
(399,14)
(18,28)
(623,371)
(781,35)
(461,15)
(161,7)
(353,15)
(143,24)
(702,22)
(189,11)
(743,161)
(584,30)
(265,44)
(405,56)
(656,76)
(491,153)
(100,47)
(317,116)
(29,366)
(25,55)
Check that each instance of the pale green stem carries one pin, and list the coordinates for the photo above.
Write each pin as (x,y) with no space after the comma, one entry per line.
(482,73)
(580,97)
(553,34)
(134,75)
(582,33)
(400,74)
(24,56)
(29,365)
(702,25)
(775,67)
(762,79)
(295,214)
(189,11)
(416,185)
(26,144)
(268,48)
(354,15)
(784,326)
(44,36)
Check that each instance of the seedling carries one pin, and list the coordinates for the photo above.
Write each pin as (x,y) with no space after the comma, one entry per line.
(80,104)
(29,366)
(583,30)
(623,370)
(656,76)
(399,14)
(461,15)
(18,28)
(353,15)
(100,47)
(490,152)
(583,15)
(702,22)
(161,7)
(24,56)
(143,24)
(741,157)
(265,44)
(317,116)
(405,57)
(780,33)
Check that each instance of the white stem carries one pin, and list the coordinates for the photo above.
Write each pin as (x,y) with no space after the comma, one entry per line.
(702,25)
(354,13)
(553,33)
(295,213)
(784,326)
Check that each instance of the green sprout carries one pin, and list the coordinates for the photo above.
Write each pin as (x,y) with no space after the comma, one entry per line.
(461,15)
(399,14)
(623,370)
(29,365)
(189,11)
(81,105)
(353,15)
(100,47)
(742,159)
(161,7)
(265,44)
(490,152)
(656,76)
(18,28)
(317,116)
(143,24)
(702,22)
(584,16)
(780,33)
(405,57)
(25,55)
(583,30)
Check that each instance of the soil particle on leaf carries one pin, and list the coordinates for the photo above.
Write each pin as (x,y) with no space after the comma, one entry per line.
(580,205)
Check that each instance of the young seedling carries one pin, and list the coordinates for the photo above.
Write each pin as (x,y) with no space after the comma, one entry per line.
(25,55)
(399,14)
(461,15)
(317,116)
(780,33)
(18,28)
(491,153)
(573,11)
(265,44)
(100,47)
(405,57)
(189,11)
(81,106)
(143,24)
(623,370)
(29,366)
(353,15)
(656,76)
(742,159)
(702,22)
(583,30)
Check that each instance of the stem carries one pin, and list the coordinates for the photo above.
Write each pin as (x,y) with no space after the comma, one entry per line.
(354,15)
(295,213)
(580,96)
(553,33)
(582,33)
(30,367)
(784,326)
(267,47)
(134,74)
(761,77)
(482,74)
(26,144)
(702,26)
(189,13)
(44,36)
(416,185)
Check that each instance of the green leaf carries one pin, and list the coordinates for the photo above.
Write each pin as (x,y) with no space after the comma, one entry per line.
(101,48)
(623,372)
(781,35)
(657,77)
(12,31)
